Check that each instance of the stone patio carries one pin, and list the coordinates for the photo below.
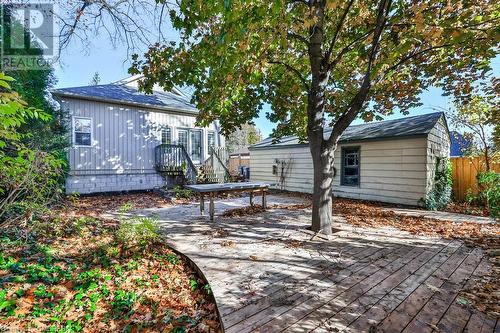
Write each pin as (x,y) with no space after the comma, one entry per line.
(269,274)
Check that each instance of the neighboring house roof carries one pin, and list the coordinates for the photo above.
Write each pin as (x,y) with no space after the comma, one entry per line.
(404,127)
(458,144)
(242,151)
(129,95)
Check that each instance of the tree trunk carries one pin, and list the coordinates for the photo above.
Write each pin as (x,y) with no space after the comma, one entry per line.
(487,158)
(322,196)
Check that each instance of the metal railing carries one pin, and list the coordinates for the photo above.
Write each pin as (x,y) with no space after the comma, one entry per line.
(174,160)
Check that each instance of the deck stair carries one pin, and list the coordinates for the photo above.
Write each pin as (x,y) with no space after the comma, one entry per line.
(173,161)
(216,166)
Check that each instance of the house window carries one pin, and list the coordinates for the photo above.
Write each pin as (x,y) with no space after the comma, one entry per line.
(211,140)
(183,138)
(350,167)
(82,131)
(196,146)
(166,135)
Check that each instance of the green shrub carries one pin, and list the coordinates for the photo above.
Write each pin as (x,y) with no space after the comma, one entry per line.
(182,193)
(489,184)
(30,178)
(440,195)
(138,231)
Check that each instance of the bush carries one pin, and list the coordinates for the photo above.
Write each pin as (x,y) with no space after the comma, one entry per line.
(440,195)
(136,231)
(139,231)
(182,193)
(29,178)
(489,183)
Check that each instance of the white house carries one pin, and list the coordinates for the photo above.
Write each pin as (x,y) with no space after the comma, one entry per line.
(117,133)
(390,161)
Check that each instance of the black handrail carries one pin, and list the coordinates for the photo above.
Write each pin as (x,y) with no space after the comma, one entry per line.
(175,160)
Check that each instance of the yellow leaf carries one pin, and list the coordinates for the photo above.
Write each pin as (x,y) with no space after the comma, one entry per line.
(332,4)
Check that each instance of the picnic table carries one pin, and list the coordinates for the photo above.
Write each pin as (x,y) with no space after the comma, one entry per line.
(211,190)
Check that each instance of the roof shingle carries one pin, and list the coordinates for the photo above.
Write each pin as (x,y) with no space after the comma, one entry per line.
(121,93)
(404,127)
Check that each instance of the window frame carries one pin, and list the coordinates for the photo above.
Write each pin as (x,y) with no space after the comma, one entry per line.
(342,166)
(189,146)
(164,128)
(73,120)
(178,141)
(191,131)
(208,140)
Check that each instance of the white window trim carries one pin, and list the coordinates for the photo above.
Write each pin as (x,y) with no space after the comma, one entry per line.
(188,131)
(163,127)
(215,137)
(73,132)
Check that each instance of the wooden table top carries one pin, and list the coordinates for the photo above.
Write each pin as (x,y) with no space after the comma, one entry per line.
(206,188)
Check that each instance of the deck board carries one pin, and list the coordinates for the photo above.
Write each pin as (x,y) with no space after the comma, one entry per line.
(276,278)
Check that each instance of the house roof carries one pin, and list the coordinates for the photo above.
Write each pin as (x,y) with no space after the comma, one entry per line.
(242,151)
(458,144)
(129,95)
(405,127)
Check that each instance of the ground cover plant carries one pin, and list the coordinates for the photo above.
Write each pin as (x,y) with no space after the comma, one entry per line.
(69,272)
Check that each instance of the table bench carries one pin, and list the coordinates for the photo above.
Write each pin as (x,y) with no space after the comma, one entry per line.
(211,190)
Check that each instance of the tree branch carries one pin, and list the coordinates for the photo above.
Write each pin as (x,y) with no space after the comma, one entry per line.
(295,71)
(337,30)
(413,55)
(358,100)
(298,37)
(347,48)
(304,2)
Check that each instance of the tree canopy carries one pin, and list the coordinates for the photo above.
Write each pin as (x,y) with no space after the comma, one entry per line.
(321,63)
(239,55)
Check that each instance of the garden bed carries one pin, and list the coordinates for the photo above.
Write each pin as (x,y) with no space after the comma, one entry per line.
(72,271)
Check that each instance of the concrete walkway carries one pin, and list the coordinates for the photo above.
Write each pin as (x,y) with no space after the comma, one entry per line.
(444,216)
(269,274)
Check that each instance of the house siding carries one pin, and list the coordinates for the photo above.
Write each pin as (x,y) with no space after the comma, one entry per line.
(393,171)
(121,156)
(438,145)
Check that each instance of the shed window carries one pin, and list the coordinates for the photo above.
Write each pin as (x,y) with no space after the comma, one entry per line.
(166,135)
(350,167)
(82,131)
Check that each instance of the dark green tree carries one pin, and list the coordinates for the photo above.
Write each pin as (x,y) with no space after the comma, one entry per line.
(33,86)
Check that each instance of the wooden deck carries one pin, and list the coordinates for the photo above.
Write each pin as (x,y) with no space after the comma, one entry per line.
(269,276)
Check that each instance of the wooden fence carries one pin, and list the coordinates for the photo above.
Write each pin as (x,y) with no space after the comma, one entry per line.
(235,162)
(464,173)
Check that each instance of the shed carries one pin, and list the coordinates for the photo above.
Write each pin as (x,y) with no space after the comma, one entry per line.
(390,161)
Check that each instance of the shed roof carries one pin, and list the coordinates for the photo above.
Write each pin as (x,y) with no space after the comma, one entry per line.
(126,94)
(405,127)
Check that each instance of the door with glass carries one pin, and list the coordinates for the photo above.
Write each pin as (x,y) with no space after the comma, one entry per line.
(192,140)
(195,146)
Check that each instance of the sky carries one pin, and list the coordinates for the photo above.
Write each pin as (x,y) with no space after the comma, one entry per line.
(78,65)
